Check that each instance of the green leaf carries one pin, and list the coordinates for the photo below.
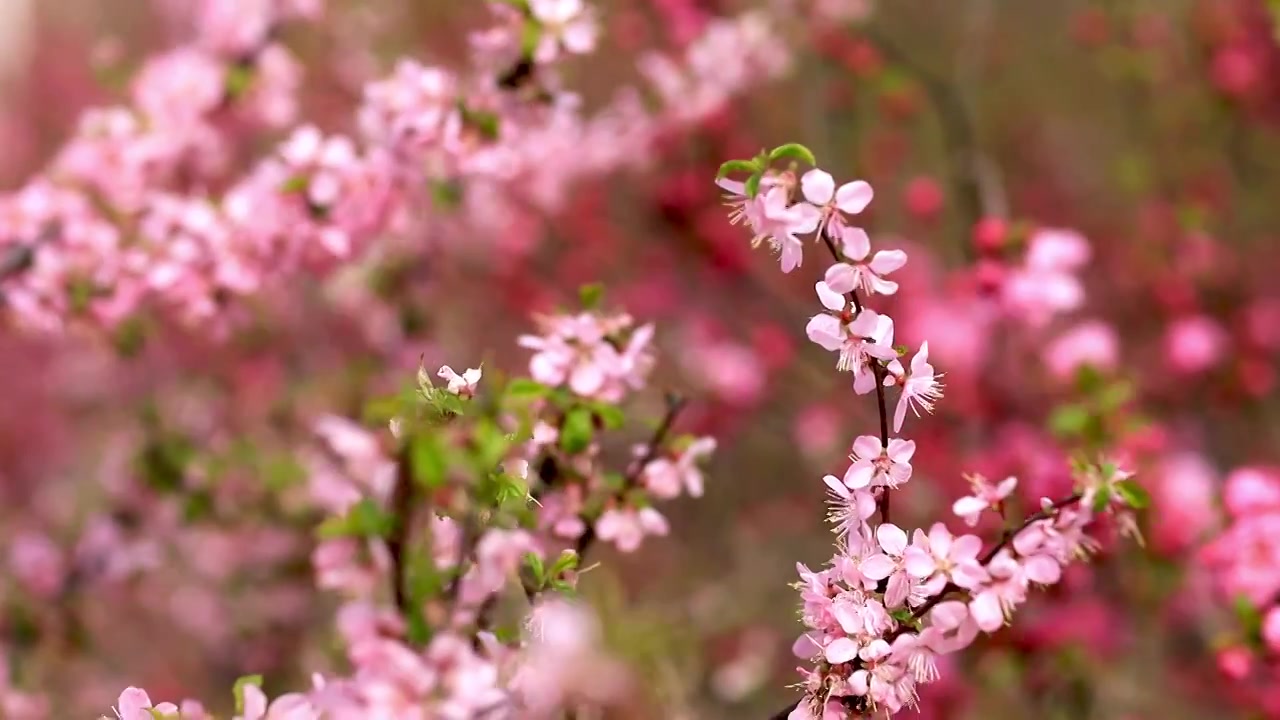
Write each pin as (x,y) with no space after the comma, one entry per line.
(364,519)
(752,187)
(1102,499)
(428,461)
(1069,420)
(568,560)
(1133,494)
(239,80)
(795,151)
(446,194)
(1249,617)
(241,684)
(526,389)
(576,434)
(610,415)
(736,166)
(530,37)
(591,295)
(295,184)
(534,561)
(490,444)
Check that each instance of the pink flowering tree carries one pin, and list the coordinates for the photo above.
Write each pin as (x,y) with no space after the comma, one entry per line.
(888,604)
(307,417)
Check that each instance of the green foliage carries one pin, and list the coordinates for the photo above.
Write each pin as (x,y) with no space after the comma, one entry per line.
(241,684)
(428,459)
(753,185)
(238,81)
(526,389)
(737,166)
(591,296)
(575,435)
(794,151)
(1133,494)
(364,519)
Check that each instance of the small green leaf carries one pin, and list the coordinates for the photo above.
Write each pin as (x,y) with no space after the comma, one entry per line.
(576,434)
(295,184)
(736,166)
(241,684)
(364,519)
(591,295)
(428,461)
(526,389)
(534,561)
(1069,420)
(610,415)
(1249,617)
(1133,494)
(239,80)
(568,560)
(795,151)
(530,37)
(752,187)
(1102,499)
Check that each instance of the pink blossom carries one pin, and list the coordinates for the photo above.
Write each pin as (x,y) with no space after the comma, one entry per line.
(888,564)
(1251,490)
(464,384)
(1271,629)
(567,25)
(1195,344)
(851,198)
(938,558)
(985,497)
(996,600)
(665,477)
(783,222)
(135,704)
(863,274)
(874,465)
(1092,344)
(920,387)
(627,527)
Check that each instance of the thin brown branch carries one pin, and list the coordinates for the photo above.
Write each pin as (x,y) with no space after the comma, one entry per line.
(675,404)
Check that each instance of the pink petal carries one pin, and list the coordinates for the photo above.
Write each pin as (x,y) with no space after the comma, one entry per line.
(868,447)
(841,650)
(854,197)
(987,611)
(919,563)
(901,451)
(132,702)
(886,261)
(1042,569)
(892,538)
(830,299)
(856,245)
(818,186)
(859,475)
(877,567)
(841,277)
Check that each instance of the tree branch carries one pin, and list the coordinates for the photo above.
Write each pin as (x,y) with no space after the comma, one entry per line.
(675,404)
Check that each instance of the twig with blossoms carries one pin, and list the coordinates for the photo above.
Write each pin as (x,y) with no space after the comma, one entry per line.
(888,604)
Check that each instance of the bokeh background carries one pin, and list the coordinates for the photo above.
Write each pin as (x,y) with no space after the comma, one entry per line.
(1150,127)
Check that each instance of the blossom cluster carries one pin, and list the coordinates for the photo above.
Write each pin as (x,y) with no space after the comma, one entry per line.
(479,497)
(1243,562)
(889,603)
(127,216)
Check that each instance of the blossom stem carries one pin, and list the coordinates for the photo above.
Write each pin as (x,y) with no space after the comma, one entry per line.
(882,503)
(675,404)
(403,497)
(784,712)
